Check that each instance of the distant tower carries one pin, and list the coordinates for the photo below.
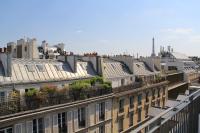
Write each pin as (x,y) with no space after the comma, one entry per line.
(153,49)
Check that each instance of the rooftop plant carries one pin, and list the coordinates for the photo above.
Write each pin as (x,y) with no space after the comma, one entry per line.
(31,92)
(85,84)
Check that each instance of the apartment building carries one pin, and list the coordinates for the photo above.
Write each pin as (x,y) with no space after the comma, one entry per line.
(133,98)
(27,73)
(24,48)
(91,116)
(175,61)
(88,111)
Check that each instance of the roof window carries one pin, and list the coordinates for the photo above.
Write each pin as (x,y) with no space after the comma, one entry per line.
(41,68)
(30,68)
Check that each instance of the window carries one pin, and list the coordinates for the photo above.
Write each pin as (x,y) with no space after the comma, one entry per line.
(153,103)
(120,124)
(6,130)
(102,111)
(131,119)
(163,102)
(146,111)
(158,92)
(102,129)
(40,68)
(25,48)
(139,115)
(34,126)
(83,66)
(58,67)
(137,65)
(113,66)
(122,82)
(158,103)
(30,68)
(153,94)
(2,96)
(131,102)
(81,117)
(38,125)
(121,105)
(62,122)
(163,91)
(147,96)
(139,99)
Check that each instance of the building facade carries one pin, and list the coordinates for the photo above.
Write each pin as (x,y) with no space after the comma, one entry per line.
(133,98)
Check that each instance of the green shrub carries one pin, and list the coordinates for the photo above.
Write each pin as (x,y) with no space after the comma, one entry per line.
(48,89)
(31,92)
(99,79)
(86,84)
(79,86)
(83,96)
(108,83)
(106,86)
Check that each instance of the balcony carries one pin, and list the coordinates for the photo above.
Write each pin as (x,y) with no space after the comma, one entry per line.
(51,95)
(182,117)
(128,87)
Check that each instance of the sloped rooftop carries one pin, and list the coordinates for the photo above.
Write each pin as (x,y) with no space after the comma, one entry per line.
(114,69)
(25,70)
(141,69)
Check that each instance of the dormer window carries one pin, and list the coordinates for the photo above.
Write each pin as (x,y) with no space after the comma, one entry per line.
(41,68)
(30,68)
(137,65)
(83,67)
(25,48)
(113,66)
(58,67)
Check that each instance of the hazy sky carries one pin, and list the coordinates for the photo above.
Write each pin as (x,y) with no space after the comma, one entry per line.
(105,26)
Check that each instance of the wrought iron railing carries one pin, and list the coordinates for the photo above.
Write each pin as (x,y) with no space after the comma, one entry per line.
(25,103)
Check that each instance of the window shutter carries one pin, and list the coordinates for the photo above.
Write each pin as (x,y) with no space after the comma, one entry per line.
(97,113)
(108,109)
(18,128)
(29,127)
(55,123)
(47,125)
(69,122)
(76,120)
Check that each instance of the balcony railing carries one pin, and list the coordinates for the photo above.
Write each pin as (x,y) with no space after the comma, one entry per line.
(25,103)
(128,87)
(181,118)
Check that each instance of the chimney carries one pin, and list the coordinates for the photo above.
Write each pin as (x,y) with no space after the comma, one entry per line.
(6,59)
(72,61)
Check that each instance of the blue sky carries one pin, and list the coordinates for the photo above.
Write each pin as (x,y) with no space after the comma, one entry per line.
(105,26)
